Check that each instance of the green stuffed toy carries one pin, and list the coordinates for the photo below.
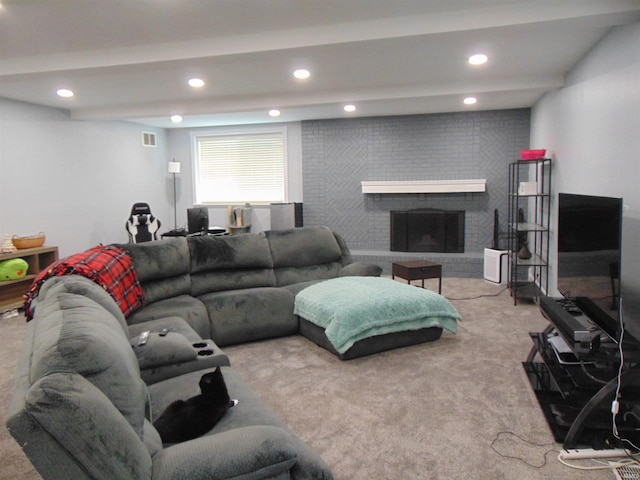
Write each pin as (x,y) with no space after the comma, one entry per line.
(13,269)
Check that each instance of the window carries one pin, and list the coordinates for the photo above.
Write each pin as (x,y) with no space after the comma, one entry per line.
(240,167)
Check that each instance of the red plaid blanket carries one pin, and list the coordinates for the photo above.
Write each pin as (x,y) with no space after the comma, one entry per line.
(108,266)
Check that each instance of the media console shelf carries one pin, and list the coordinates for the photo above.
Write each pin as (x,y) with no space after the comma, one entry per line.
(575,389)
(38,259)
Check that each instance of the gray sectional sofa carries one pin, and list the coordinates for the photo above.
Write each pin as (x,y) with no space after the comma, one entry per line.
(239,288)
(86,393)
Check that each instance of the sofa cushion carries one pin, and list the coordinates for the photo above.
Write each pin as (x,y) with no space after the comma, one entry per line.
(210,252)
(162,288)
(151,438)
(249,411)
(360,269)
(256,452)
(88,426)
(184,306)
(162,267)
(230,263)
(160,259)
(75,334)
(302,247)
(239,316)
(288,275)
(218,280)
(80,285)
(246,443)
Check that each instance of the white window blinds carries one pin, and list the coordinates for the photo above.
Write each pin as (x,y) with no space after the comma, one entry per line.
(239,168)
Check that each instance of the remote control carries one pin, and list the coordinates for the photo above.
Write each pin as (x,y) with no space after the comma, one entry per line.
(144,336)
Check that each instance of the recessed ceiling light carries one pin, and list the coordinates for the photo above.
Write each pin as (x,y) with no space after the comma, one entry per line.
(196,83)
(349,108)
(274,112)
(65,93)
(478,59)
(302,74)
(176,118)
(470,100)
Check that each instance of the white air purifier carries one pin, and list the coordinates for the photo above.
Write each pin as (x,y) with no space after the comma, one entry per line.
(495,265)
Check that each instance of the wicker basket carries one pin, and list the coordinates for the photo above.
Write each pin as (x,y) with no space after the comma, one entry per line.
(28,242)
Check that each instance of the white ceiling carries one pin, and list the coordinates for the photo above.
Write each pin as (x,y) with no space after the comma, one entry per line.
(131,59)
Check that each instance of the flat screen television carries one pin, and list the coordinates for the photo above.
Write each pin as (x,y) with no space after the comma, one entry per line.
(589,253)
(198,220)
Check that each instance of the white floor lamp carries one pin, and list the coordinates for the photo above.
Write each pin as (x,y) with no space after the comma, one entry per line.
(174,167)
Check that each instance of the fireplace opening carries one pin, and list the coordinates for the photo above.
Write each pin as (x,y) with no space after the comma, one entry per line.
(427,230)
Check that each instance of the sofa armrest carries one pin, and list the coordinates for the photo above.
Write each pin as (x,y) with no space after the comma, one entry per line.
(360,269)
(78,429)
(172,354)
(163,349)
(344,249)
(255,452)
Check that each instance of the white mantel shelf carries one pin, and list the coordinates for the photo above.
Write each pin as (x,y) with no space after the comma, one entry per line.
(426,186)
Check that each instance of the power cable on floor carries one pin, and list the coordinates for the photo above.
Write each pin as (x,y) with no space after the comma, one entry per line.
(481,296)
(529,442)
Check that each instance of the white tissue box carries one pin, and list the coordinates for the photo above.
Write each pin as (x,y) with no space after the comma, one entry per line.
(528,188)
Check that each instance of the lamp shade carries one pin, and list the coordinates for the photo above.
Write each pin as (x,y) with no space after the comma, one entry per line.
(174,167)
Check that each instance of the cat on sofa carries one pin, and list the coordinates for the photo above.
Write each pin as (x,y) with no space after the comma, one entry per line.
(188,419)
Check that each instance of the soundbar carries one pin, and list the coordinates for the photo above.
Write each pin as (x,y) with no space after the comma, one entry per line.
(604,321)
(573,328)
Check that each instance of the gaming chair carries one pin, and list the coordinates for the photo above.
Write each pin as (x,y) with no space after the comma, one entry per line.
(142,226)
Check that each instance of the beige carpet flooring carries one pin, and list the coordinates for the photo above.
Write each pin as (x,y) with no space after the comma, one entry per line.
(429,411)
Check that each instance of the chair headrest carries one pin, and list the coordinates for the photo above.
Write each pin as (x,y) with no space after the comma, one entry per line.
(140,208)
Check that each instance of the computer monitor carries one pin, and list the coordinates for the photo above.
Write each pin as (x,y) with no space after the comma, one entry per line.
(198,219)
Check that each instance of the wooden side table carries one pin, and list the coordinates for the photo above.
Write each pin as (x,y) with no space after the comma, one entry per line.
(418,270)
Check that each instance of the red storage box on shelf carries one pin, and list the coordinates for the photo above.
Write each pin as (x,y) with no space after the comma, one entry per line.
(532,154)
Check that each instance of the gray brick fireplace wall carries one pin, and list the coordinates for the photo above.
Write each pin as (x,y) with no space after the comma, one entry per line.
(338,154)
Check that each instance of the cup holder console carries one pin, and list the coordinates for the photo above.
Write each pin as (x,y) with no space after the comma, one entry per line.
(204,350)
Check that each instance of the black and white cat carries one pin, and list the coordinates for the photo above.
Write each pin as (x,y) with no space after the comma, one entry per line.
(187,419)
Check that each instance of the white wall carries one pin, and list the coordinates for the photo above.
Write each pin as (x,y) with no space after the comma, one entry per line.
(591,128)
(180,148)
(76,181)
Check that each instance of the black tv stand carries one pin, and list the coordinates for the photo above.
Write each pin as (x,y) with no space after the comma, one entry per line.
(576,391)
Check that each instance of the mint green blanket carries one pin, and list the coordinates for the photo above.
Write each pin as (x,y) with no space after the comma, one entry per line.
(354,308)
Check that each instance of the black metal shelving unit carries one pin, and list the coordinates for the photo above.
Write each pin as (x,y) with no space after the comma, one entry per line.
(528,223)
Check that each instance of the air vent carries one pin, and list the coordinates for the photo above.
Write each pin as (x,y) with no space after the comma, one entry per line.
(627,472)
(148,139)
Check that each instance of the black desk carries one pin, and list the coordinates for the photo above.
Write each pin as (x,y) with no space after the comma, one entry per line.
(181,232)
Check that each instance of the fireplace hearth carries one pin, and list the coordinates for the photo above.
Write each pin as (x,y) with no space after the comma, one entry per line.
(427,230)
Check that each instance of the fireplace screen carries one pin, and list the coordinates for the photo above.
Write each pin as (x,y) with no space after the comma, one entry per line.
(427,230)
